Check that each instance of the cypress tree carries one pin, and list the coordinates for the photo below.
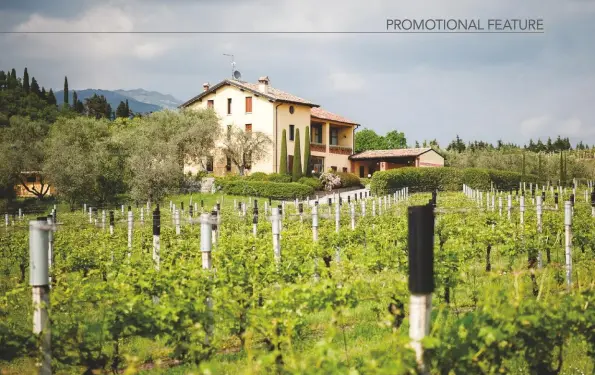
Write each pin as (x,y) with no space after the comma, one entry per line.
(127,109)
(75,99)
(283,160)
(296,172)
(43,93)
(66,90)
(51,99)
(35,87)
(26,86)
(307,170)
(121,111)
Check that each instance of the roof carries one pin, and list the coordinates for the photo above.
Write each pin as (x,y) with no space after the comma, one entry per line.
(272,93)
(323,114)
(396,153)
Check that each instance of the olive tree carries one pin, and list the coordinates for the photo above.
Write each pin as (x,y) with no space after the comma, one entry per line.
(244,148)
(160,144)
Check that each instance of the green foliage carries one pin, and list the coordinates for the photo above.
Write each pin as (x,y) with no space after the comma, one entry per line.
(278,177)
(315,183)
(257,176)
(367,139)
(349,180)
(274,190)
(296,172)
(122,111)
(66,91)
(446,179)
(307,154)
(97,107)
(283,157)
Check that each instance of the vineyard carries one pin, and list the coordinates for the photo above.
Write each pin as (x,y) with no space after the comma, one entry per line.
(318,298)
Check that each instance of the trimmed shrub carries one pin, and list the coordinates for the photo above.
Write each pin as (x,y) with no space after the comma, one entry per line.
(258,176)
(311,181)
(278,177)
(445,178)
(349,179)
(274,190)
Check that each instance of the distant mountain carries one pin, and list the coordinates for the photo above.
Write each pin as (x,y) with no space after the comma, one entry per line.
(113,98)
(151,97)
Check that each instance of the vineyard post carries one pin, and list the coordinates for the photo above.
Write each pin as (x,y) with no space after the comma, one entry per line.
(373,208)
(352,207)
(90,215)
(39,281)
(266,208)
(421,276)
(130,225)
(111,223)
(500,205)
(235,205)
(84,209)
(214,228)
(171,206)
(205,249)
(275,221)
(568,241)
(281,215)
(363,203)
(243,209)
(50,221)
(379,205)
(337,217)
(173,215)
(142,215)
(148,205)
(6,220)
(255,219)
(315,237)
(103,219)
(156,237)
(122,207)
(572,203)
(522,209)
(539,229)
(177,221)
(195,207)
(593,203)
(282,211)
(493,202)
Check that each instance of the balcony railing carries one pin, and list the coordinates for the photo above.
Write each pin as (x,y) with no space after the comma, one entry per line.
(343,150)
(318,147)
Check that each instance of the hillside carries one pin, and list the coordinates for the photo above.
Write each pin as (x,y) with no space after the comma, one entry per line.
(151,97)
(113,98)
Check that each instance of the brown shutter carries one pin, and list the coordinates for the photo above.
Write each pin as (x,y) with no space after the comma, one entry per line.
(249,104)
(248,127)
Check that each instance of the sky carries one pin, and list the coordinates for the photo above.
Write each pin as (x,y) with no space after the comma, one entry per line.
(478,86)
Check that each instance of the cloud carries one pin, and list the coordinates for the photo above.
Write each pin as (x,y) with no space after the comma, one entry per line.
(487,87)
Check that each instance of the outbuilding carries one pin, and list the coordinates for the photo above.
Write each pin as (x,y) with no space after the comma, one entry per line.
(367,162)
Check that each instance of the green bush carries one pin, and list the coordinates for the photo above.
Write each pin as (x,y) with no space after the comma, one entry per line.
(311,181)
(445,178)
(258,176)
(274,190)
(349,179)
(278,177)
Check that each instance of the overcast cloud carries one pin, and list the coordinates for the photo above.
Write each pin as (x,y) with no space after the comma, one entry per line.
(480,86)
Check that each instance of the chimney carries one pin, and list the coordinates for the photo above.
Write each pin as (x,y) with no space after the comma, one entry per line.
(205,86)
(263,84)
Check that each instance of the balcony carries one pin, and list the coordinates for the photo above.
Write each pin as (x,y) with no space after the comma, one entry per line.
(342,150)
(318,147)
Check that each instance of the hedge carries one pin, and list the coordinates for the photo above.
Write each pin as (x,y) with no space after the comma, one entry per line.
(349,179)
(311,181)
(274,190)
(258,176)
(445,178)
(279,177)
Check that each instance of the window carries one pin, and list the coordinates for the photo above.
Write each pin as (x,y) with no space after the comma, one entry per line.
(248,127)
(291,132)
(334,168)
(210,103)
(317,164)
(209,164)
(362,170)
(334,136)
(345,170)
(31,179)
(316,133)
(248,104)
(227,164)
(229,106)
(291,109)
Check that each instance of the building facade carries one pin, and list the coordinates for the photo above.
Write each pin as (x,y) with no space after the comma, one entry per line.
(261,107)
(365,163)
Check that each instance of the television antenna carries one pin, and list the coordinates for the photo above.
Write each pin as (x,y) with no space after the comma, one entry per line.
(235,74)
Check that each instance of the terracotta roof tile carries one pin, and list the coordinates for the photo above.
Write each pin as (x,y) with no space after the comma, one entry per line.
(272,93)
(326,115)
(396,153)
